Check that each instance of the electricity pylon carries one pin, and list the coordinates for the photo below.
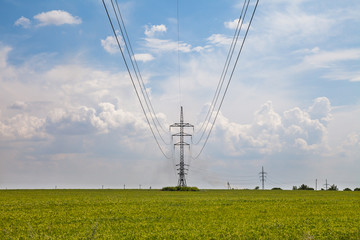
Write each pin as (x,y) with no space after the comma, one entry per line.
(262,177)
(181,144)
(326,185)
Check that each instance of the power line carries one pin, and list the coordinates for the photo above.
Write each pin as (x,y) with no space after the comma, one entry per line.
(135,66)
(141,85)
(230,78)
(223,73)
(132,81)
(178,51)
(225,69)
(224,175)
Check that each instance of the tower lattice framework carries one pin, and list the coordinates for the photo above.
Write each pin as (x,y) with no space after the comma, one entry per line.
(181,134)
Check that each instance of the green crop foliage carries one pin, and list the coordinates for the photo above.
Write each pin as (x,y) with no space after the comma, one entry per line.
(156,214)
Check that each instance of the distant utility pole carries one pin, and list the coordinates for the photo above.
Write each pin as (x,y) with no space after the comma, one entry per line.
(181,144)
(326,185)
(316,184)
(262,177)
(124,186)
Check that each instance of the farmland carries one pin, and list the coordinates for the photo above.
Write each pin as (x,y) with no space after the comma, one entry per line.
(153,214)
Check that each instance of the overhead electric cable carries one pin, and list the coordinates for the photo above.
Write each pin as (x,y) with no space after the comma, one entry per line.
(222,178)
(137,71)
(137,67)
(222,78)
(178,51)
(224,71)
(142,86)
(132,81)
(230,78)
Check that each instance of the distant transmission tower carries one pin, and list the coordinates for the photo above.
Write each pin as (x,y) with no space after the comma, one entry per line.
(262,177)
(326,185)
(181,144)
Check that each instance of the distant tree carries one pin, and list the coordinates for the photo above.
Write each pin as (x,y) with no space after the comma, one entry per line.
(305,187)
(276,188)
(294,188)
(257,188)
(347,189)
(357,189)
(333,188)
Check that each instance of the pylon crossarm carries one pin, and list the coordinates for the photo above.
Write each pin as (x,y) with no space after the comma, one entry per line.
(183,134)
(182,144)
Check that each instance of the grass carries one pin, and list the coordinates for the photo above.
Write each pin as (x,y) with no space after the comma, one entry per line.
(155,214)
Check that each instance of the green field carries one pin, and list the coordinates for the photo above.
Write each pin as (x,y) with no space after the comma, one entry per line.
(153,214)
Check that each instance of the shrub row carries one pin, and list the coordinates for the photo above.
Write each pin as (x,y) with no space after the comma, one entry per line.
(332,188)
(178,188)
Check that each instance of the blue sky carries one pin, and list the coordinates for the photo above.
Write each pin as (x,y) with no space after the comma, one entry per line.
(69,116)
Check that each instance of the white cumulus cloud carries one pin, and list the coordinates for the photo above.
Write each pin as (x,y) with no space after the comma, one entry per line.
(293,131)
(56,17)
(164,45)
(82,120)
(321,109)
(151,30)
(219,39)
(327,59)
(110,44)
(4,51)
(23,21)
(22,126)
(143,57)
(233,24)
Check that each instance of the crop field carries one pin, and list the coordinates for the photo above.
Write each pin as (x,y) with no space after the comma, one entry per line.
(153,214)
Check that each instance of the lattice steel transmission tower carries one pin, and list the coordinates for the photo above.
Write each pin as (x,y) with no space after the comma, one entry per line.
(262,177)
(326,185)
(181,144)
